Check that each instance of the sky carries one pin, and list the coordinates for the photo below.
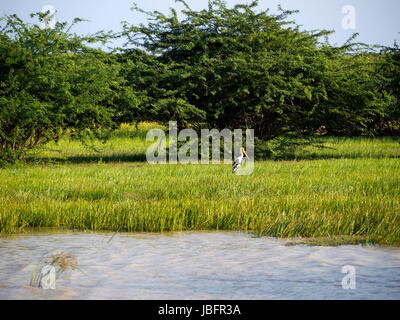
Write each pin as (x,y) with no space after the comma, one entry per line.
(377,22)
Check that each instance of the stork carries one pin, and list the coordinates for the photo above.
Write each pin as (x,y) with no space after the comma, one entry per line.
(238,161)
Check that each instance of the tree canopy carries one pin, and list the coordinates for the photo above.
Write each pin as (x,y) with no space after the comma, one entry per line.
(240,67)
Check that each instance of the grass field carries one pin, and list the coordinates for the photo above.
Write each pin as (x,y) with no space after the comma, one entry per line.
(349,192)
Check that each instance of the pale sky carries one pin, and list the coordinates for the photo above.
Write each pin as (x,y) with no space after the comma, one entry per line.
(377,22)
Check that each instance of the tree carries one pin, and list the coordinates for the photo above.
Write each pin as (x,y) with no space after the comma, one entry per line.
(52,82)
(387,72)
(235,67)
(242,68)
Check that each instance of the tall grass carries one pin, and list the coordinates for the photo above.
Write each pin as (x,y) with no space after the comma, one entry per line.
(353,191)
(356,148)
(126,144)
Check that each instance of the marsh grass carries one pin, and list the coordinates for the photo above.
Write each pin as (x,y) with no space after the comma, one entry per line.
(352,148)
(348,192)
(63,260)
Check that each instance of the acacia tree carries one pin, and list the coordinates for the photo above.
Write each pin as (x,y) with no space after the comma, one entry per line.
(240,67)
(236,67)
(52,82)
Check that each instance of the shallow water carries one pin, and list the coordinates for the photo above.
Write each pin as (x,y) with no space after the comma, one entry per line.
(196,265)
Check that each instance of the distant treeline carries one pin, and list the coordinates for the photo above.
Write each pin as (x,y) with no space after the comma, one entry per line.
(220,67)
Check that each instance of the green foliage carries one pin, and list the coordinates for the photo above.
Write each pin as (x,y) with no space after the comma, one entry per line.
(242,68)
(387,72)
(52,82)
(143,74)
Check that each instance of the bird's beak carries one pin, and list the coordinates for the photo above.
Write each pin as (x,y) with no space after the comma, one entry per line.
(245,154)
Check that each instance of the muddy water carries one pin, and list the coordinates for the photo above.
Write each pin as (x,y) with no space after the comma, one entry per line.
(196,265)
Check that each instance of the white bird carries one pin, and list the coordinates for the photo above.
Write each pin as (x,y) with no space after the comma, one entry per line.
(238,161)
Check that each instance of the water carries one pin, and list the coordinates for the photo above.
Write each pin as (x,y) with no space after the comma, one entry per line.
(196,265)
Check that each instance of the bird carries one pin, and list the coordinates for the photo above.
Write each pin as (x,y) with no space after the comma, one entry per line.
(238,161)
